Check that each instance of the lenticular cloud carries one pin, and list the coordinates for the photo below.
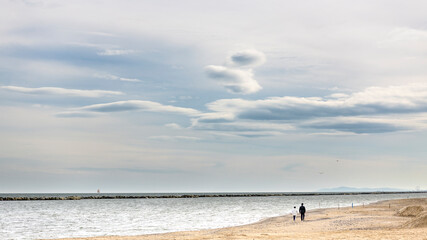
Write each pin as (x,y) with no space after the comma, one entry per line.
(234,80)
(236,77)
(247,58)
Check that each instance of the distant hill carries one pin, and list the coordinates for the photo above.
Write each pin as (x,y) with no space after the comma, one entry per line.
(352,189)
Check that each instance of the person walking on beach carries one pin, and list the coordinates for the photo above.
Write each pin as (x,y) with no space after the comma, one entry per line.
(294,213)
(302,211)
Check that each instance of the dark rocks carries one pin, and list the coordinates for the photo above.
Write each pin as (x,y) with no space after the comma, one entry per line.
(47,198)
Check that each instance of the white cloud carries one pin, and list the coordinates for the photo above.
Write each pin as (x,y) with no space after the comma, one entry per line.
(247,58)
(175,138)
(61,91)
(338,95)
(135,105)
(234,80)
(114,77)
(243,126)
(75,114)
(404,39)
(41,71)
(358,125)
(129,79)
(173,126)
(360,112)
(115,52)
(371,101)
(98,46)
(213,117)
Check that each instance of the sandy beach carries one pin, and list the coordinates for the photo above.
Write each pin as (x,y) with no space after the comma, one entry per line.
(394,219)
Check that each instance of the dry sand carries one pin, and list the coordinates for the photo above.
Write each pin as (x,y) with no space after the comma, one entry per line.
(394,219)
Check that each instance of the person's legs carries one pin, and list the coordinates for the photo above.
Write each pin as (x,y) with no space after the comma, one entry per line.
(302,216)
(295,217)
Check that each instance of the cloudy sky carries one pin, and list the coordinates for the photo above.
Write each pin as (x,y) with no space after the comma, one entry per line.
(200,96)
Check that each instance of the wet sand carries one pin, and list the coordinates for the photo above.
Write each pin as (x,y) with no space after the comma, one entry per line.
(394,219)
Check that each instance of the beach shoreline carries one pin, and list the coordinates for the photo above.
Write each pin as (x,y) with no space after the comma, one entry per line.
(380,220)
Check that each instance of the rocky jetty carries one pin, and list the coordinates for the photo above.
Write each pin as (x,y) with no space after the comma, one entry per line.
(50,198)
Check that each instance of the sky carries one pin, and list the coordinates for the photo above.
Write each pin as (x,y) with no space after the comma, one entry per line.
(212,96)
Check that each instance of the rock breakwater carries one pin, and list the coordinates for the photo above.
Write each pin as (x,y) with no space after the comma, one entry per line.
(52,198)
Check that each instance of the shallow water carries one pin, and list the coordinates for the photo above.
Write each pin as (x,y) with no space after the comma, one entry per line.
(100,217)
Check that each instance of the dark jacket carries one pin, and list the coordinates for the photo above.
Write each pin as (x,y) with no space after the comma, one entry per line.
(302,209)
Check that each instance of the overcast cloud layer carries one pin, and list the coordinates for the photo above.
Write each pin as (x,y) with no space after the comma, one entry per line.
(212,96)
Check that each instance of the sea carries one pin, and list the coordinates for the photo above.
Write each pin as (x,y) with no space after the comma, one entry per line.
(52,219)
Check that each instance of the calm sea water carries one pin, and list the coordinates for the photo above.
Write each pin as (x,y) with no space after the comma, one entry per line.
(101,217)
